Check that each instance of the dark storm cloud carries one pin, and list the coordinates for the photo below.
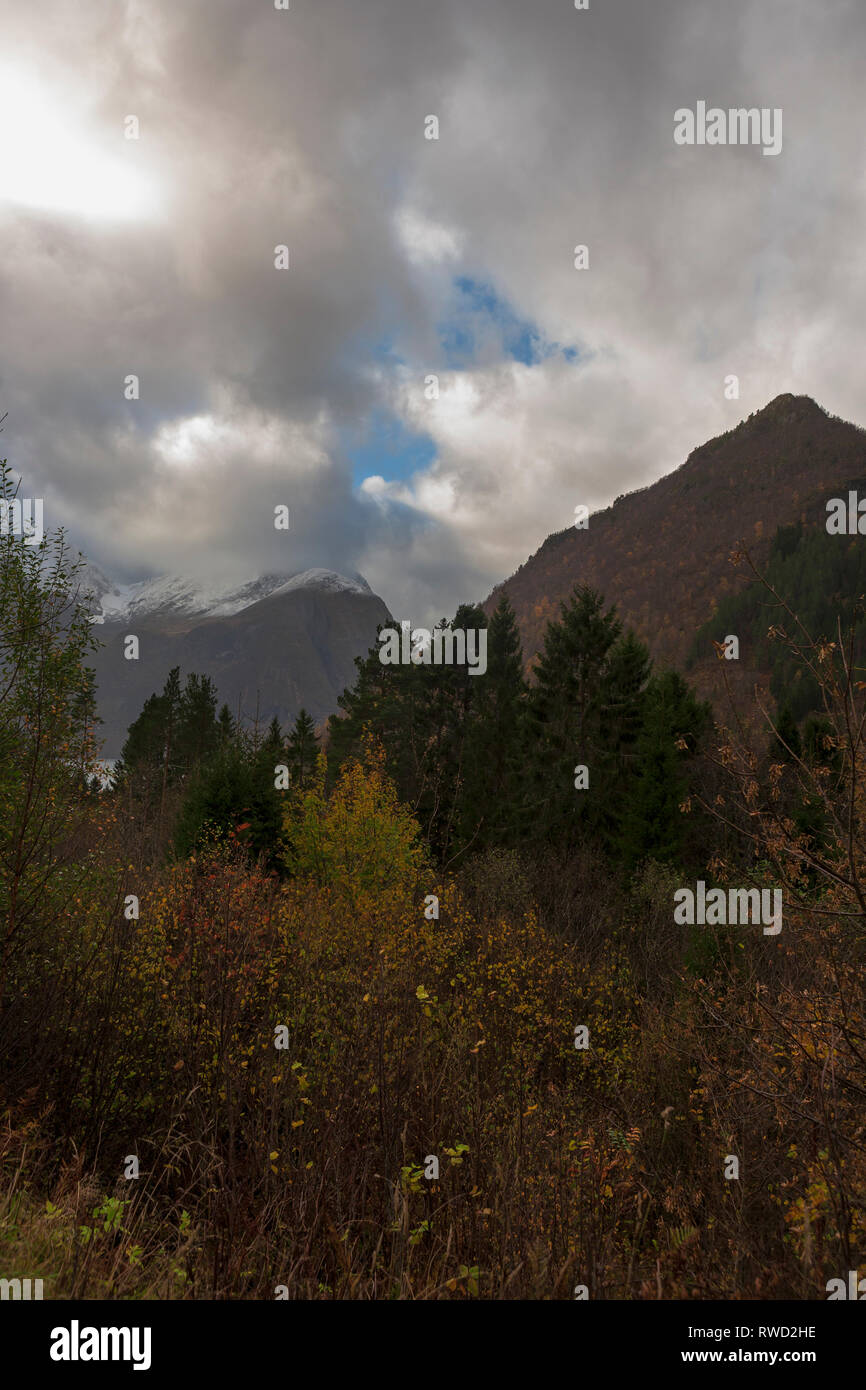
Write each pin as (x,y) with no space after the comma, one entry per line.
(306,128)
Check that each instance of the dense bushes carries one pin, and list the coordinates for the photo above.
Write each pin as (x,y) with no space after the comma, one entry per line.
(260,1040)
(409,1037)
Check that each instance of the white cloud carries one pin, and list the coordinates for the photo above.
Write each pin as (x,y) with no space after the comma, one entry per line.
(425,241)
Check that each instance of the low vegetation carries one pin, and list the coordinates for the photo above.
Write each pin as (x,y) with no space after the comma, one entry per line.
(421,1023)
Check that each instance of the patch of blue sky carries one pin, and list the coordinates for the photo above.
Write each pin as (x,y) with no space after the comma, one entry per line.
(384,445)
(482,326)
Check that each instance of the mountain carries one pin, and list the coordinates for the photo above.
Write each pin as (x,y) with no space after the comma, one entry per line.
(271,644)
(177,594)
(661,554)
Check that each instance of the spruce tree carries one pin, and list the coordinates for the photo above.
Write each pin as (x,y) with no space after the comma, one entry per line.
(176,731)
(383,701)
(197,734)
(494,775)
(419,713)
(568,708)
(302,750)
(225,731)
(621,725)
(673,728)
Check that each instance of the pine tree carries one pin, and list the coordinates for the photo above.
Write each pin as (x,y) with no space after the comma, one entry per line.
(418,712)
(568,706)
(171,717)
(139,767)
(232,797)
(622,723)
(273,744)
(673,726)
(266,804)
(302,751)
(217,798)
(176,731)
(382,700)
(445,699)
(494,775)
(197,733)
(225,732)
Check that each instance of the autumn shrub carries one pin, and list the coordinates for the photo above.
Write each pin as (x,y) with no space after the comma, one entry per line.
(359,840)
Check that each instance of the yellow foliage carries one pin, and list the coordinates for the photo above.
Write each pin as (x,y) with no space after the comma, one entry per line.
(360,840)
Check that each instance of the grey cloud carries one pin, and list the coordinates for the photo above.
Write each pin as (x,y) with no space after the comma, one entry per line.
(307,128)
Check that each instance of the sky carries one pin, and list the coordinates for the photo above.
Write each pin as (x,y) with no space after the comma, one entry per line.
(431,386)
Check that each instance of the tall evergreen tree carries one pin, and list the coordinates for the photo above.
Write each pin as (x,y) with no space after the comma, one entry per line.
(175,732)
(585,712)
(225,728)
(382,700)
(673,726)
(197,734)
(302,750)
(421,713)
(490,812)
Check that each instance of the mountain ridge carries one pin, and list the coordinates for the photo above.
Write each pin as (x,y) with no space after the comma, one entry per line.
(183,594)
(292,645)
(661,553)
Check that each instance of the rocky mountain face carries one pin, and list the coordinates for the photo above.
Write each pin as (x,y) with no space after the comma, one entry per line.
(271,645)
(662,553)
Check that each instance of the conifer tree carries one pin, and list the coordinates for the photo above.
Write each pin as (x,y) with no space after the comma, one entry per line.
(225,731)
(232,796)
(175,732)
(197,734)
(302,750)
(673,725)
(494,773)
(420,713)
(579,688)
(382,700)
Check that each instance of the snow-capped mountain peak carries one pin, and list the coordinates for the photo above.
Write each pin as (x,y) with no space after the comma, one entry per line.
(181,595)
(328,580)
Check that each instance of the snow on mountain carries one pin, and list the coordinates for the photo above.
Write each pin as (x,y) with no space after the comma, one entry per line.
(328,580)
(94,584)
(176,594)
